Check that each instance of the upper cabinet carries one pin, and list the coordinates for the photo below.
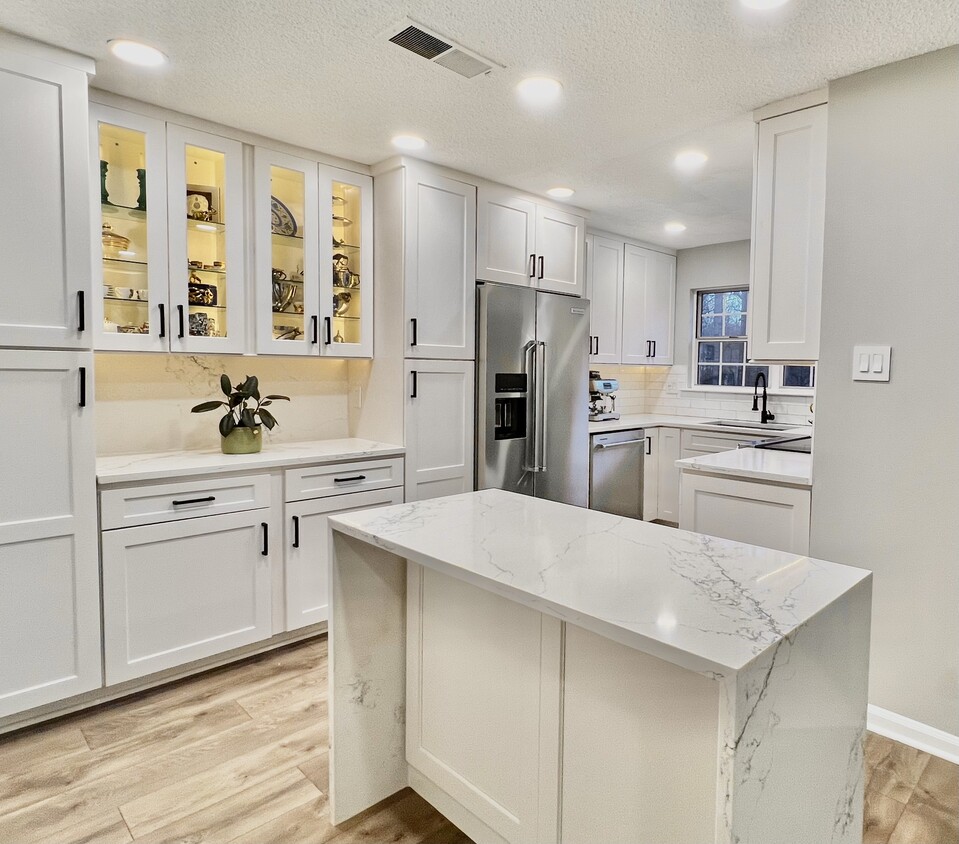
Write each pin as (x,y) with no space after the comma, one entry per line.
(521,241)
(440,265)
(789,200)
(207,235)
(632,292)
(45,231)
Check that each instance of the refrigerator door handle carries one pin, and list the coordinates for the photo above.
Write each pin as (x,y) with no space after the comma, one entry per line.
(542,406)
(529,360)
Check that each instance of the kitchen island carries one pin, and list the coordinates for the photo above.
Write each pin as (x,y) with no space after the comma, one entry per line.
(541,672)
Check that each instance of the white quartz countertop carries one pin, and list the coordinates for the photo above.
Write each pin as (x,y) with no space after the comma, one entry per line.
(710,605)
(175,464)
(656,420)
(762,464)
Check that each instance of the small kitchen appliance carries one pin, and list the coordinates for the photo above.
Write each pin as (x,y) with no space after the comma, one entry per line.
(600,390)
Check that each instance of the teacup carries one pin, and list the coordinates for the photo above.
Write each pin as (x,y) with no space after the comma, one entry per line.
(143,295)
(108,291)
(123,292)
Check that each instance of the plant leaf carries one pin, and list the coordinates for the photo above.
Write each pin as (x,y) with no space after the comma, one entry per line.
(207,405)
(278,398)
(236,399)
(268,419)
(227,424)
(246,418)
(253,387)
(265,404)
(225,384)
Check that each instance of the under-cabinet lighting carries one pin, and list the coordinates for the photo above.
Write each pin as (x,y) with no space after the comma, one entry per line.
(126,253)
(203,227)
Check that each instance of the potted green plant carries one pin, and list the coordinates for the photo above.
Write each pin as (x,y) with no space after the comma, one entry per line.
(245,413)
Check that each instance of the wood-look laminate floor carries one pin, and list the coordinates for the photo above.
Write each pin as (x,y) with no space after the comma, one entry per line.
(239,754)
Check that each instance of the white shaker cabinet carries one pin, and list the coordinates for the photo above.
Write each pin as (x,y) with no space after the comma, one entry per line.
(789,201)
(651,476)
(649,306)
(49,575)
(440,265)
(45,230)
(439,428)
(667,507)
(521,241)
(604,289)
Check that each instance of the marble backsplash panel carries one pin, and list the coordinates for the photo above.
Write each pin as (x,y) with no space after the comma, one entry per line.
(143,401)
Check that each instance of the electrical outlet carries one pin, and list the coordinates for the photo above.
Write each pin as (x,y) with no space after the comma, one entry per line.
(356,397)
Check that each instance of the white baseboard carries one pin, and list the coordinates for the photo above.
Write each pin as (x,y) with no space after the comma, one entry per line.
(914,733)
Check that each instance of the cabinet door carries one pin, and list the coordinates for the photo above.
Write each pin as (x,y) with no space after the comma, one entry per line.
(131,294)
(49,573)
(181,591)
(651,476)
(560,244)
(604,289)
(286,278)
(505,233)
(439,428)
(669,448)
(789,204)
(649,306)
(346,265)
(207,236)
(440,266)
(45,231)
(308,551)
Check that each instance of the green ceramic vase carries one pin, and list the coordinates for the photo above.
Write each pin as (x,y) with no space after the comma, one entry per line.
(242,441)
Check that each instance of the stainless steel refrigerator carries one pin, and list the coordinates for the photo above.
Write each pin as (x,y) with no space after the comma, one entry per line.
(532,432)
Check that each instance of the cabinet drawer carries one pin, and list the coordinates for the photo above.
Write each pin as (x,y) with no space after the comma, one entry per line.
(321,481)
(148,505)
(702,442)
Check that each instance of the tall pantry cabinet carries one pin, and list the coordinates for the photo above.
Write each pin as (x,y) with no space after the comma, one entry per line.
(49,579)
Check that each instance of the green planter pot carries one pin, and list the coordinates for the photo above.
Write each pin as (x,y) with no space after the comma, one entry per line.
(242,441)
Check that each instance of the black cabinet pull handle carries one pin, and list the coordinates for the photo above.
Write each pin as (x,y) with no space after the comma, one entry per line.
(296,531)
(540,267)
(413,389)
(162,319)
(266,539)
(205,500)
(81,312)
(314,329)
(597,344)
(649,445)
(179,310)
(413,328)
(83,387)
(532,265)
(329,330)
(352,478)
(654,349)
(649,348)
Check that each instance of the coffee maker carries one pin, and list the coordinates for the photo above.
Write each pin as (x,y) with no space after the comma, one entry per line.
(600,390)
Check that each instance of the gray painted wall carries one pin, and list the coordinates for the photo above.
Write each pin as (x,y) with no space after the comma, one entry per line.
(886,493)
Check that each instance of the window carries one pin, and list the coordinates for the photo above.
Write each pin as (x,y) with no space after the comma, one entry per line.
(720,346)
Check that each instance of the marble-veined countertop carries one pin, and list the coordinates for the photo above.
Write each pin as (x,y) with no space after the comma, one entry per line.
(127,468)
(710,605)
(658,420)
(761,464)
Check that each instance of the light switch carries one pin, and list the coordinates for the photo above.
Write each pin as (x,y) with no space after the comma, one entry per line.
(871,363)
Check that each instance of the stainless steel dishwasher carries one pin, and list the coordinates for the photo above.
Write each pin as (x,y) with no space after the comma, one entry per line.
(616,472)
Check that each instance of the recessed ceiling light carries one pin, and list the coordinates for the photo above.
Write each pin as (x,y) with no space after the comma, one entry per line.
(675,227)
(136,53)
(408,142)
(539,91)
(690,160)
(561,193)
(763,5)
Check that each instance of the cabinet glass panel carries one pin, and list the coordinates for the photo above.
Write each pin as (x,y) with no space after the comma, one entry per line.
(347,264)
(123,205)
(206,226)
(288,212)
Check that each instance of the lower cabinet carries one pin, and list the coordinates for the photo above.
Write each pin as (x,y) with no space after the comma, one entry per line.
(651,476)
(440,422)
(184,590)
(668,486)
(308,550)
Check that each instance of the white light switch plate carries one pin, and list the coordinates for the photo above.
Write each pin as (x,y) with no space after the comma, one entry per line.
(871,363)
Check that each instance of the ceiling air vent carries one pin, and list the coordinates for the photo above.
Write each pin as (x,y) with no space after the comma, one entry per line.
(430,45)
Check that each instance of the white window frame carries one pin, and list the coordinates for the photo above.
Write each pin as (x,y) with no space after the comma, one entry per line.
(776,373)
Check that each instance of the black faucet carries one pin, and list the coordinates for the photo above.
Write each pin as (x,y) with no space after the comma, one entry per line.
(765,416)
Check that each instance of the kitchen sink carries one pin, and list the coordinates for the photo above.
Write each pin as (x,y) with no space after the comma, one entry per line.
(752,426)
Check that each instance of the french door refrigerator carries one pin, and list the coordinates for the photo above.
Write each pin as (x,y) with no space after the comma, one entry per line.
(532,433)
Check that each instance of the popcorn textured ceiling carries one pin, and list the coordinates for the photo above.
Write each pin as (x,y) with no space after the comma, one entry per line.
(643,79)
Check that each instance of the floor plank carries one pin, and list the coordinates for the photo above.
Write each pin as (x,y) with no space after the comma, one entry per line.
(317,771)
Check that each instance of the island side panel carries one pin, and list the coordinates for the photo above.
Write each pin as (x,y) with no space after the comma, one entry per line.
(367,675)
(792,724)
(639,746)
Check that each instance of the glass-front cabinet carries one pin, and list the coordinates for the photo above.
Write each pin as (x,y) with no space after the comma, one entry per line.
(206,237)
(286,277)
(346,298)
(131,307)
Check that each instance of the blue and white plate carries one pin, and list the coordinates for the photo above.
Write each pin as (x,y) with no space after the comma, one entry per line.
(281,218)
